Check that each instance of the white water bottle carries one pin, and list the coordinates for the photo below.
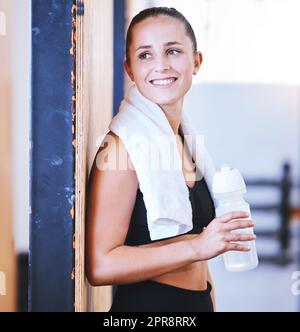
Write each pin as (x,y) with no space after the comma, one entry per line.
(228,190)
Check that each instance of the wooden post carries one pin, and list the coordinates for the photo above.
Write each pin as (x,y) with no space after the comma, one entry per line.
(7,251)
(94,109)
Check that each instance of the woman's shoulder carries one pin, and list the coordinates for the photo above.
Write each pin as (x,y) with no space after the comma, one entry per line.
(113,149)
(109,172)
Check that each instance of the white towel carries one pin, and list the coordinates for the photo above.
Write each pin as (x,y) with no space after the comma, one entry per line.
(151,145)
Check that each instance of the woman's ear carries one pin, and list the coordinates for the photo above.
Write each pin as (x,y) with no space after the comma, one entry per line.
(128,70)
(198,62)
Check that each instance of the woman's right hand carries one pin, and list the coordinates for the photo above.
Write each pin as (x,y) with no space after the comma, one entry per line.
(216,237)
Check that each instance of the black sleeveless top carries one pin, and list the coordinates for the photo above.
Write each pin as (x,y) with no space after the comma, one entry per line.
(202,208)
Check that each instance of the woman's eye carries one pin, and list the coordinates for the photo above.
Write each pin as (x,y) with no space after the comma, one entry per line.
(173,50)
(143,56)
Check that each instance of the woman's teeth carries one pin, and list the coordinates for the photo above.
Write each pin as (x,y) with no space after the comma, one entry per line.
(163,82)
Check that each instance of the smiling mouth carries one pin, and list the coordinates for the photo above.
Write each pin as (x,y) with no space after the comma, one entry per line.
(163,83)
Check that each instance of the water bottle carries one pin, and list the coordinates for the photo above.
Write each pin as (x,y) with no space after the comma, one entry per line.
(228,191)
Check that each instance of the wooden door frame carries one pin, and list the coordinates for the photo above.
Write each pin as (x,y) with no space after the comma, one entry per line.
(94,298)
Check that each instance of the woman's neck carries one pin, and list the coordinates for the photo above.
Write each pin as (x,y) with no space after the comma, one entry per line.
(173,114)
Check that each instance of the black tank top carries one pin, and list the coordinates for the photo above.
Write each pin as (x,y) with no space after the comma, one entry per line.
(202,208)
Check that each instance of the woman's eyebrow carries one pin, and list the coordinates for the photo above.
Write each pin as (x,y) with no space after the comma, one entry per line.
(166,44)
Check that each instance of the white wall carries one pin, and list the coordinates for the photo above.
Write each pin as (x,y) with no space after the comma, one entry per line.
(253,127)
(243,41)
(21,50)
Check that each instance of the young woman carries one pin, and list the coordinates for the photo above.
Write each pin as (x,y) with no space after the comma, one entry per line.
(170,274)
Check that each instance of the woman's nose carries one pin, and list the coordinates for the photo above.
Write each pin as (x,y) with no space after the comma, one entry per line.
(162,66)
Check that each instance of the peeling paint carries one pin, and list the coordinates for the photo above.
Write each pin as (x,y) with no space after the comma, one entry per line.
(72,212)
(37,222)
(56,161)
(36,31)
(56,5)
(69,189)
(51,17)
(73,32)
(71,199)
(74,9)
(73,111)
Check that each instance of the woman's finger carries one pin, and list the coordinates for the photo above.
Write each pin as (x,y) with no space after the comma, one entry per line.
(239,237)
(237,247)
(233,215)
(237,224)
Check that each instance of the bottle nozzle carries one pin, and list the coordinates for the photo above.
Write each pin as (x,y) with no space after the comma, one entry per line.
(226,167)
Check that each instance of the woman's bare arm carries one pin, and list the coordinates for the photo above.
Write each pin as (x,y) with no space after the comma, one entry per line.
(127,264)
(111,199)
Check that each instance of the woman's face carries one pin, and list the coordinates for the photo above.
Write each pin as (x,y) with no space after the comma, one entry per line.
(162,59)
